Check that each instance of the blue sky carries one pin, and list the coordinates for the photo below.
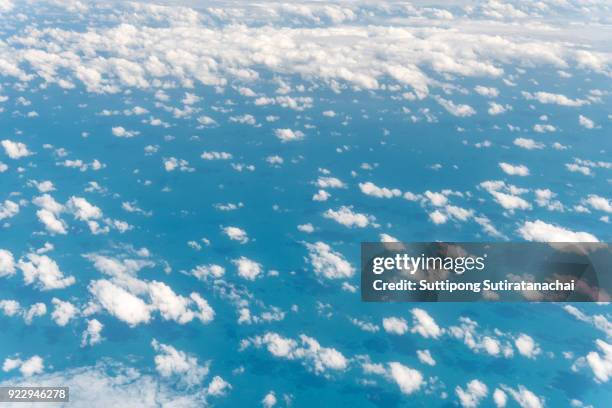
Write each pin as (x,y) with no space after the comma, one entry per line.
(185,186)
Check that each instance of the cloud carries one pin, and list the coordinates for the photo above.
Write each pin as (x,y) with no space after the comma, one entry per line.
(425,357)
(460,110)
(524,398)
(216,155)
(92,334)
(63,312)
(269,400)
(42,186)
(371,189)
(497,109)
(438,217)
(82,209)
(8,209)
(527,346)
(176,307)
(477,342)
(120,131)
(218,386)
(330,182)
(7,263)
(528,144)
(598,321)
(500,398)
(48,215)
(514,170)
(472,395)
(489,92)
(408,379)
(236,234)
(540,231)
(599,203)
(328,263)
(32,366)
(395,325)
(35,310)
(544,128)
(317,358)
(247,268)
(15,150)
(586,122)
(424,324)
(120,303)
(52,223)
(601,364)
(43,272)
(347,217)
(288,135)
(204,271)
(321,195)
(552,98)
(170,362)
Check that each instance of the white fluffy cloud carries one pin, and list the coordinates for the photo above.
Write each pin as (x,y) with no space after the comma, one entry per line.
(15,150)
(288,135)
(586,122)
(372,189)
(540,231)
(601,362)
(395,325)
(460,110)
(552,98)
(7,263)
(170,362)
(524,397)
(599,203)
(514,170)
(328,263)
(424,324)
(92,334)
(8,209)
(63,312)
(120,303)
(43,272)
(407,379)
(347,217)
(317,358)
(236,234)
(527,143)
(425,357)
(33,365)
(247,268)
(527,346)
(475,392)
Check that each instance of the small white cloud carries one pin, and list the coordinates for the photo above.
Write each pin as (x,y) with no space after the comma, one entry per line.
(395,325)
(63,312)
(236,234)
(247,268)
(514,170)
(120,131)
(15,150)
(425,357)
(92,334)
(540,231)
(328,263)
(528,144)
(288,135)
(347,217)
(472,395)
(527,346)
